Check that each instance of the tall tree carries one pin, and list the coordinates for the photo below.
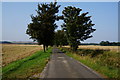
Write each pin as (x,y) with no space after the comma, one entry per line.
(43,24)
(78,27)
(60,38)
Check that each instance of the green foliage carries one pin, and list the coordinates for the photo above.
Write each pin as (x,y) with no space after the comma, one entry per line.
(78,27)
(92,53)
(43,24)
(28,66)
(60,38)
(110,59)
(107,43)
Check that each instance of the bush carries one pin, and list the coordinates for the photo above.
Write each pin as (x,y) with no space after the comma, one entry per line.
(97,52)
(90,52)
(110,59)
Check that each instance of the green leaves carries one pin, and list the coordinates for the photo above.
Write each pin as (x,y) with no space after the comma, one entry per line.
(43,24)
(78,26)
(60,38)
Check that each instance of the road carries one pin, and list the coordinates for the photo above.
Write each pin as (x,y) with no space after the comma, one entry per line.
(62,66)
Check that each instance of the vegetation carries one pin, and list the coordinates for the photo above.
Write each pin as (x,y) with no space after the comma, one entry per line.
(17,42)
(107,43)
(77,27)
(13,52)
(110,48)
(103,61)
(60,38)
(89,44)
(5,42)
(43,24)
(27,67)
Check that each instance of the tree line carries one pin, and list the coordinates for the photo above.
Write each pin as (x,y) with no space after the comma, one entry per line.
(77,26)
(107,43)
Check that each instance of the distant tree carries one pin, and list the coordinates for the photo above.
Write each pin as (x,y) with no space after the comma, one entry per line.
(43,24)
(78,27)
(60,38)
(104,43)
(107,43)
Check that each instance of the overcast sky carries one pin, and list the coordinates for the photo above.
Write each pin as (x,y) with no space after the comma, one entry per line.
(16,16)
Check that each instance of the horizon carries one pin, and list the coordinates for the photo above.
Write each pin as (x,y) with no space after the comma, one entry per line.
(35,41)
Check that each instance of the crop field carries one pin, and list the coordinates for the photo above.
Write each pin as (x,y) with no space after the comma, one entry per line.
(13,52)
(111,48)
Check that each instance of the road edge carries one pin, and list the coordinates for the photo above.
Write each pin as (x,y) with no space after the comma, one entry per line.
(90,69)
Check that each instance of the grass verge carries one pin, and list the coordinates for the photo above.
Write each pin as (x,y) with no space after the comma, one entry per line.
(104,62)
(28,66)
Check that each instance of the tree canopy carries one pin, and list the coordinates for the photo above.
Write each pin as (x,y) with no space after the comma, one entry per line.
(107,43)
(43,24)
(60,38)
(78,27)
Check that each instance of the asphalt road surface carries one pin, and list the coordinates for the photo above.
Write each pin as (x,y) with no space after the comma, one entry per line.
(62,66)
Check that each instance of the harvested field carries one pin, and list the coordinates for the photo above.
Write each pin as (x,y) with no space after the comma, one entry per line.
(13,52)
(111,48)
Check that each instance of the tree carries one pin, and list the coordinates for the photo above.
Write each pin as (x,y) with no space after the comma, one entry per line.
(43,24)
(78,27)
(104,43)
(107,43)
(60,38)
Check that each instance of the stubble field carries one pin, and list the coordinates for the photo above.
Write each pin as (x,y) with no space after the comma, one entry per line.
(13,52)
(94,47)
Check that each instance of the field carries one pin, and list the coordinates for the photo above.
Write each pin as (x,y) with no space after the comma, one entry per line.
(111,48)
(13,52)
(23,61)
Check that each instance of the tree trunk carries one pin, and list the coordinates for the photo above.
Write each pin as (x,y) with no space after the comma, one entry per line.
(74,48)
(44,47)
(47,47)
(60,45)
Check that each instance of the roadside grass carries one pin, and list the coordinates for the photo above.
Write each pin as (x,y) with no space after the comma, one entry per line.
(104,62)
(28,66)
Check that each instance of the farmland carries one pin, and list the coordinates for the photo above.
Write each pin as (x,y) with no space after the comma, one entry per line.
(13,52)
(23,61)
(111,48)
(103,59)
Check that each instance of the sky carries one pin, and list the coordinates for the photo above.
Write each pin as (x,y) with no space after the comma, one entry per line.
(16,17)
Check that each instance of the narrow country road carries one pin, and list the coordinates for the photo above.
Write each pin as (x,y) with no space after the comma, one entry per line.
(62,66)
